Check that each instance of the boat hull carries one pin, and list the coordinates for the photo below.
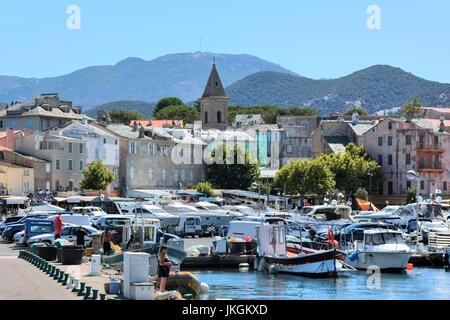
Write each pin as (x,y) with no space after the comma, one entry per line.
(321,264)
(385,261)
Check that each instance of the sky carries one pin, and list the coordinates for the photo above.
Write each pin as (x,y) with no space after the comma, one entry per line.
(314,38)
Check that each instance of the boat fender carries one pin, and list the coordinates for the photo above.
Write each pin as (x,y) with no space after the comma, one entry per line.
(272,269)
(353,256)
(244,265)
(262,264)
(204,288)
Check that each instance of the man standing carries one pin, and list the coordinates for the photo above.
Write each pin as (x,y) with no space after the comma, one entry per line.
(80,233)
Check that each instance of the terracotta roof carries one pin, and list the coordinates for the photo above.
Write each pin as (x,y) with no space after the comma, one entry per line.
(156,123)
(440,110)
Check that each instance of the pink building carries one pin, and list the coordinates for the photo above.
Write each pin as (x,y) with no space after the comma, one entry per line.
(419,145)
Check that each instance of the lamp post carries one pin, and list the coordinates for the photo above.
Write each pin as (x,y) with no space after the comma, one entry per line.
(370,174)
(412,175)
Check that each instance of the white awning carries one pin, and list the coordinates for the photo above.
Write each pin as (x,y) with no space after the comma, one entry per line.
(16,200)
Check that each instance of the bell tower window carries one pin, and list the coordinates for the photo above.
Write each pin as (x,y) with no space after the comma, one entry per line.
(219,117)
(206,117)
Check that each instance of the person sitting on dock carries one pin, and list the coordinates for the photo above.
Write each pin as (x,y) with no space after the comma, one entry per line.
(164,266)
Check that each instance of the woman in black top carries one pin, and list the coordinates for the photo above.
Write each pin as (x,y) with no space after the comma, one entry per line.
(164,266)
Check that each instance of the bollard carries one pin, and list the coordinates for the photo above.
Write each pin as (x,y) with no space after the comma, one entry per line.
(81,291)
(64,282)
(56,275)
(70,282)
(88,293)
(94,294)
(75,284)
(61,276)
(102,296)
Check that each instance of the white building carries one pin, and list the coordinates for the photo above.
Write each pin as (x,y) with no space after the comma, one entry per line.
(100,144)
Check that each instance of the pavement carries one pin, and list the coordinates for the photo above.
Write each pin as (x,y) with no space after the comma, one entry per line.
(20,280)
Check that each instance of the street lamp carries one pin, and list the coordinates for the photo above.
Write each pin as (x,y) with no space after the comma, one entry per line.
(370,174)
(412,175)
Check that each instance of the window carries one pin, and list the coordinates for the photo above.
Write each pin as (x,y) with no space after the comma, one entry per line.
(53,145)
(131,147)
(57,185)
(70,147)
(164,151)
(131,172)
(104,140)
(115,142)
(390,159)
(150,174)
(390,125)
(380,141)
(26,173)
(81,165)
(1,123)
(381,189)
(422,185)
(41,145)
(380,159)
(444,185)
(390,188)
(287,134)
(408,158)
(70,164)
(116,154)
(289,148)
(408,140)
(175,175)
(191,175)
(390,141)
(81,148)
(29,123)
(408,184)
(151,149)
(219,117)
(206,117)
(58,164)
(163,174)
(183,175)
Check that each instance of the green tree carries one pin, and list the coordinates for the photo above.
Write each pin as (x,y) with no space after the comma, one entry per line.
(412,108)
(351,169)
(411,195)
(362,193)
(96,176)
(231,167)
(180,112)
(304,176)
(206,188)
(358,110)
(166,102)
(125,116)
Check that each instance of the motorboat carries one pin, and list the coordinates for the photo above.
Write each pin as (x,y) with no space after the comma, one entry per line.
(380,247)
(281,257)
(151,211)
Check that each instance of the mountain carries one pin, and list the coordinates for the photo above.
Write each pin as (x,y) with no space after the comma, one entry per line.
(146,108)
(183,75)
(375,88)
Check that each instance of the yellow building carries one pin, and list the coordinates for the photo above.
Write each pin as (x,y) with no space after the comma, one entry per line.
(16,180)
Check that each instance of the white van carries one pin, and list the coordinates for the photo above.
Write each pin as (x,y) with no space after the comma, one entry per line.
(78,219)
(189,226)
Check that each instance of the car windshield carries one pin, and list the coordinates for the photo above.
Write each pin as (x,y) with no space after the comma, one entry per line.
(41,228)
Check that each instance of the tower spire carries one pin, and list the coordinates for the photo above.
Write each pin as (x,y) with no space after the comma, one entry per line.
(214,87)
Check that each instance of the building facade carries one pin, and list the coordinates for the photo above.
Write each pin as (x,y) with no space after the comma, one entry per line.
(40,114)
(16,180)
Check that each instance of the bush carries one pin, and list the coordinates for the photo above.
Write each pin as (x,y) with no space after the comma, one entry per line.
(411,196)
(206,188)
(362,193)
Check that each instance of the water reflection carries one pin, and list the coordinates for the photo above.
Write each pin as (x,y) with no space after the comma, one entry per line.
(421,283)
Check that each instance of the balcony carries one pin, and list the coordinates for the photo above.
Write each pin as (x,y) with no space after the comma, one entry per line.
(435,167)
(429,147)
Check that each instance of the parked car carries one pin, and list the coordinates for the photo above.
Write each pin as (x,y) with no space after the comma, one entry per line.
(68,233)
(11,230)
(34,227)
(19,238)
(10,220)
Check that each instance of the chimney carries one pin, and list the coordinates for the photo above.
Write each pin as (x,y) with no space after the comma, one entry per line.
(442,125)
(10,136)
(355,118)
(141,132)
(135,126)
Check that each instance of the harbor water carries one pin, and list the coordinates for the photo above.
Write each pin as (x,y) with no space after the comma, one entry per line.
(419,283)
